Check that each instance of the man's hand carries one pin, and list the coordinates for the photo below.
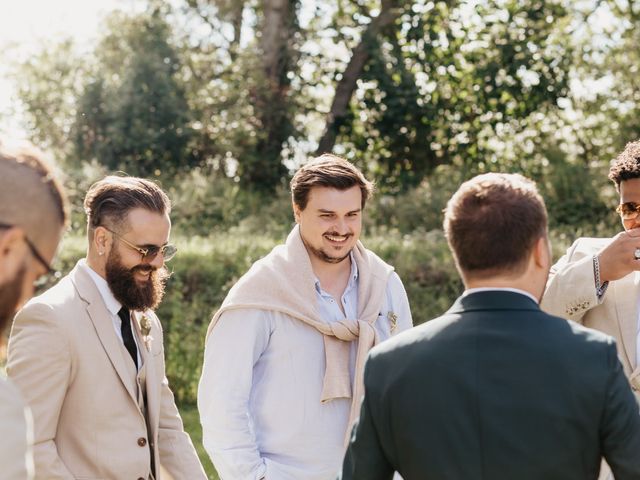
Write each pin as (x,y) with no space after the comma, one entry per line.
(617,258)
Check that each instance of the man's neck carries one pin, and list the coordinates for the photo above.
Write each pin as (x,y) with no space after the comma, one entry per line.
(334,277)
(520,283)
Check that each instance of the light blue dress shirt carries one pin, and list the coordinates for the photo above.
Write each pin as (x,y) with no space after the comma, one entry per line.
(259,395)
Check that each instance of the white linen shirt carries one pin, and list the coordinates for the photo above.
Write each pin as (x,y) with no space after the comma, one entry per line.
(259,394)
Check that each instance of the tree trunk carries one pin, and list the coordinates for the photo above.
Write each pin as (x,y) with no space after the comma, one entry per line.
(279,27)
(389,11)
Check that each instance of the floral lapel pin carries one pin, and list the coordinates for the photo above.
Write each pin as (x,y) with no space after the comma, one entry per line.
(145,330)
(393,320)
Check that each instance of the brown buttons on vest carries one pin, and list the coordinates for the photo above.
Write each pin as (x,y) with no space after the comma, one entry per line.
(142,441)
(140,478)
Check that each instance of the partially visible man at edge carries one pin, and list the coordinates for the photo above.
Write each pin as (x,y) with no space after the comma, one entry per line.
(282,376)
(597,281)
(33,215)
(88,353)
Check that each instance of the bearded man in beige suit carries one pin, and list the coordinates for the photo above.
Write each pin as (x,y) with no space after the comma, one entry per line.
(597,282)
(88,353)
(32,218)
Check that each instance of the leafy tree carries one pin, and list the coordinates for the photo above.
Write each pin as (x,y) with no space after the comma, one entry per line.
(133,114)
(445,82)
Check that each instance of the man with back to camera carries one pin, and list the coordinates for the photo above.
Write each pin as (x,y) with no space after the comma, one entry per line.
(283,359)
(33,215)
(496,388)
(88,353)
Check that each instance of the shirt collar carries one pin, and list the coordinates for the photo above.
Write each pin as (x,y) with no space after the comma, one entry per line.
(496,289)
(110,301)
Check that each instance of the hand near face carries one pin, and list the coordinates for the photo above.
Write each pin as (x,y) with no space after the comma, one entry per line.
(617,258)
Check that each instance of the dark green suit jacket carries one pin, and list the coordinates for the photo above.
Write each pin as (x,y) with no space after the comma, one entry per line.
(495,389)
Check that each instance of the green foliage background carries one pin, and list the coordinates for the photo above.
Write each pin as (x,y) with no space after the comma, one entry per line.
(219,101)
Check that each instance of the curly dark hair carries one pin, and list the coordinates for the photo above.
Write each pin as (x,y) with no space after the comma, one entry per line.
(626,165)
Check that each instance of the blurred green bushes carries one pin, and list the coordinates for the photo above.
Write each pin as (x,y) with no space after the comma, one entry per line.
(206,268)
(220,235)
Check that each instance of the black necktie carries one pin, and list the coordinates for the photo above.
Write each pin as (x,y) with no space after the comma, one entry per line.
(127,335)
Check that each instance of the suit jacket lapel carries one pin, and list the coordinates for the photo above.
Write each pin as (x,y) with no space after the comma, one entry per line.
(626,304)
(103,325)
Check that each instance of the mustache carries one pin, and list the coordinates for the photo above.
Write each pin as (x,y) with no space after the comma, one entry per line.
(143,269)
(336,234)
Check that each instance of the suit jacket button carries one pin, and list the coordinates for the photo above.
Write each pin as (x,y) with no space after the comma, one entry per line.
(142,441)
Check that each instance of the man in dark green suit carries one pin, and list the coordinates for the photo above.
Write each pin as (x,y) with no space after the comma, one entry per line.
(496,388)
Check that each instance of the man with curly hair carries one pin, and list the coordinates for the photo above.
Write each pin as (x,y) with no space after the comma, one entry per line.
(597,282)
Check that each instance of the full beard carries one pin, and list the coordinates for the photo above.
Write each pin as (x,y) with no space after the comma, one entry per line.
(10,294)
(131,293)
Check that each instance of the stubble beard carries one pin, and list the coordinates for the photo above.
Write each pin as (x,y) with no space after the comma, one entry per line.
(320,254)
(10,294)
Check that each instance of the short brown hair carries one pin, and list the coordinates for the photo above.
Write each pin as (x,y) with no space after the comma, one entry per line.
(626,165)
(111,199)
(492,222)
(17,163)
(328,171)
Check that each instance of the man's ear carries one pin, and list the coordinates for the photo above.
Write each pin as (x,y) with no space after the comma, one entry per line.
(101,240)
(12,252)
(296,212)
(541,252)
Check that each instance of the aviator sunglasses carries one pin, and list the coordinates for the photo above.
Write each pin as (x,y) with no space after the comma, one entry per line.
(628,210)
(148,252)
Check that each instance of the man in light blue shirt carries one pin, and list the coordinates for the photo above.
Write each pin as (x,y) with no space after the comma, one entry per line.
(282,375)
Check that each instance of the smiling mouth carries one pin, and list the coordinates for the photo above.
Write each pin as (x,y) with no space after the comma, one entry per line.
(337,238)
(146,273)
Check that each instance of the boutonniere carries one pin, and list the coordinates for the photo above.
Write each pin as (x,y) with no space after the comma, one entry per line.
(393,320)
(145,330)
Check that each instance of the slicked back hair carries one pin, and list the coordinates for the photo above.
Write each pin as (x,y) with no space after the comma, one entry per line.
(493,222)
(109,201)
(328,171)
(626,165)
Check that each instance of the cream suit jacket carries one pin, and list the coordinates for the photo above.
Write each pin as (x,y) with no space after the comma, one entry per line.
(571,293)
(16,457)
(72,368)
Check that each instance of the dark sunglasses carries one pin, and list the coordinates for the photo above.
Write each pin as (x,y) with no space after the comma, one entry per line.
(628,210)
(34,251)
(150,251)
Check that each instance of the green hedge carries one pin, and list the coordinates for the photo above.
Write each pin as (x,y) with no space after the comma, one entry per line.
(205,269)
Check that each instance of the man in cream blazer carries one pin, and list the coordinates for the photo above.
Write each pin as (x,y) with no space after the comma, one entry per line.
(88,353)
(597,282)
(33,215)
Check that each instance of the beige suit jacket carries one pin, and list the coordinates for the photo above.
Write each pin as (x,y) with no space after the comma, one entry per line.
(571,293)
(16,457)
(67,360)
